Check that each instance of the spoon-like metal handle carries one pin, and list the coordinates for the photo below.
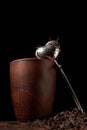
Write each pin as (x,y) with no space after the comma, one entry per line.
(70,88)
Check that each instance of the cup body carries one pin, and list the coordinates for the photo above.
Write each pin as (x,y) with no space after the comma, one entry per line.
(33,83)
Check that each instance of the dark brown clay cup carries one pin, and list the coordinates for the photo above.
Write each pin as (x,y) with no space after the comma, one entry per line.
(33,83)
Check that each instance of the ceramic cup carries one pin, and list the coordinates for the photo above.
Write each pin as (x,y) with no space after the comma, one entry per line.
(33,84)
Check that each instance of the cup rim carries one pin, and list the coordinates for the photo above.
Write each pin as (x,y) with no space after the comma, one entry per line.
(29,59)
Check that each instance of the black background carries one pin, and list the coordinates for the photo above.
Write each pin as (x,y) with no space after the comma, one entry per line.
(22,30)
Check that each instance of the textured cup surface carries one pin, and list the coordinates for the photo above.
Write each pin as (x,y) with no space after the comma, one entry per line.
(33,83)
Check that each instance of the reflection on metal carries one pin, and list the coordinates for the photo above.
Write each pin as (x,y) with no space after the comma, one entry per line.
(51,50)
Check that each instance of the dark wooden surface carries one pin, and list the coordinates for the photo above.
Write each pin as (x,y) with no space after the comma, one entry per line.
(25,126)
(9,125)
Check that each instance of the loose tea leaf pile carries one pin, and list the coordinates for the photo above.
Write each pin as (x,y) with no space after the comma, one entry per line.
(66,120)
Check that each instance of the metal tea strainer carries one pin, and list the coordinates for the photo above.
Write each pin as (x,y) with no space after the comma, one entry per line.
(51,50)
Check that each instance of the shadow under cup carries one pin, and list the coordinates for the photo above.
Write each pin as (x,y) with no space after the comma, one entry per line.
(33,84)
